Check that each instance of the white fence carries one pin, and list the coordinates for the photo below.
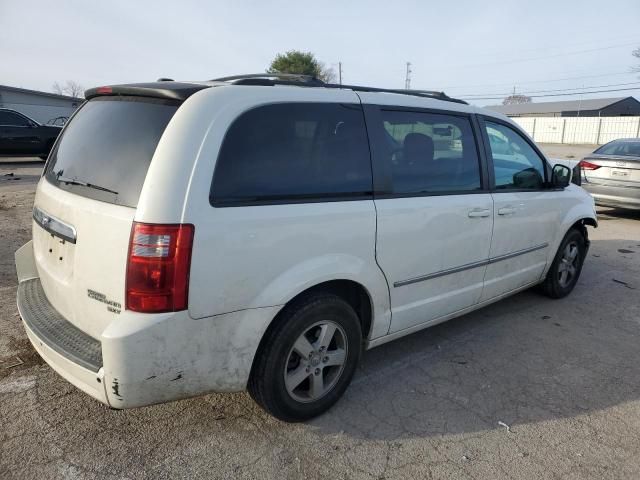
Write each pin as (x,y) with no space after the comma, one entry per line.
(591,130)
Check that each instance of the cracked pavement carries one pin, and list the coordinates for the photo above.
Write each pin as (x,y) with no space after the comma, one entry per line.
(562,375)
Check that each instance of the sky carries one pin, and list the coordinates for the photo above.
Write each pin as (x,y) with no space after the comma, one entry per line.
(469,49)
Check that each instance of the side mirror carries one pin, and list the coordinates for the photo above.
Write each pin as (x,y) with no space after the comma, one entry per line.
(561,176)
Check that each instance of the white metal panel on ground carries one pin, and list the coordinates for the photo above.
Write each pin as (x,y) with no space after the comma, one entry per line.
(581,130)
(618,127)
(527,124)
(549,130)
(587,130)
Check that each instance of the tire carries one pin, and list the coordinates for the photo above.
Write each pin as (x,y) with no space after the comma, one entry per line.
(567,265)
(307,393)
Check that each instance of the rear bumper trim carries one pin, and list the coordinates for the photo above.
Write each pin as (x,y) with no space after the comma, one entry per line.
(54,330)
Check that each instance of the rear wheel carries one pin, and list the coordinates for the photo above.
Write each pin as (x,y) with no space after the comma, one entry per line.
(307,361)
(567,265)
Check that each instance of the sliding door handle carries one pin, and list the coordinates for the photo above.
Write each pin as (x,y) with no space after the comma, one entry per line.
(479,212)
(506,211)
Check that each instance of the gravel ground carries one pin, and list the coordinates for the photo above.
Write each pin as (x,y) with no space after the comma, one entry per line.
(573,152)
(526,388)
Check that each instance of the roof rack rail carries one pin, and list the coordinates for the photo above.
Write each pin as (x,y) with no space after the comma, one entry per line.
(301,80)
(416,93)
(286,77)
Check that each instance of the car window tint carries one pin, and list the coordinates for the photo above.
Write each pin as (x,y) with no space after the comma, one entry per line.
(110,143)
(13,119)
(516,164)
(294,151)
(430,153)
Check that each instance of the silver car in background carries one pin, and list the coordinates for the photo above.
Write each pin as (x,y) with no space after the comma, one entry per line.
(612,174)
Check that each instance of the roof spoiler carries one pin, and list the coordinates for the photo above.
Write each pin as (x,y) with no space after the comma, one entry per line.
(169,90)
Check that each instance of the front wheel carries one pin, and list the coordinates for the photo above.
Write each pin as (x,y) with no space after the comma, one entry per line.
(307,361)
(567,265)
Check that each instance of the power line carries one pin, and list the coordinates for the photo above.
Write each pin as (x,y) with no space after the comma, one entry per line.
(628,72)
(545,57)
(559,94)
(554,90)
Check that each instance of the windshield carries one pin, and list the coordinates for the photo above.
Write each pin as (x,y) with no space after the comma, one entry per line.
(105,151)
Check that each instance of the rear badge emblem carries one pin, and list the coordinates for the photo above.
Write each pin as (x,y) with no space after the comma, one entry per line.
(113,307)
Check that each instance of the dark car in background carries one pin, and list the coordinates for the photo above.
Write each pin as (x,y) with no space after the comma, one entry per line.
(21,136)
(612,174)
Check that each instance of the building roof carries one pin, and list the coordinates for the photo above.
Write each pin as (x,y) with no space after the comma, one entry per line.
(37,92)
(557,107)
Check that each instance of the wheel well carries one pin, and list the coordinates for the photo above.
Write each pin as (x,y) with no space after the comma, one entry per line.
(581,224)
(351,292)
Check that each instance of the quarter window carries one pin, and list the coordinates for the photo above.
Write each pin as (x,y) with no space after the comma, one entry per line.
(516,165)
(430,153)
(294,152)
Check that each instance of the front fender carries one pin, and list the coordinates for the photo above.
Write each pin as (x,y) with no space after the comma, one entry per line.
(326,268)
(582,211)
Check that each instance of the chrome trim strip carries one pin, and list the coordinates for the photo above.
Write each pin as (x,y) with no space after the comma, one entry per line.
(517,253)
(469,266)
(441,273)
(54,225)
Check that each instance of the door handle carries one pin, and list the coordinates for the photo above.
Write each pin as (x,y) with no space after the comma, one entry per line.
(479,212)
(506,211)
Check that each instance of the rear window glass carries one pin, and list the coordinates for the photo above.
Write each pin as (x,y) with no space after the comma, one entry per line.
(294,152)
(630,149)
(105,151)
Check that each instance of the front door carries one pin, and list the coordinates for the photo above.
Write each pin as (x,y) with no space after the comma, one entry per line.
(525,210)
(434,218)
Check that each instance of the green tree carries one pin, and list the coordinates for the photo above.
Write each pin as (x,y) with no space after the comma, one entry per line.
(305,63)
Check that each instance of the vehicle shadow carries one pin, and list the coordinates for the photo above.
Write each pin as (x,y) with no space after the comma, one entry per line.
(609,213)
(525,359)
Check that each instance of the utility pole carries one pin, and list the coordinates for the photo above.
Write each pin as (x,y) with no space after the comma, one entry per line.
(340,73)
(407,78)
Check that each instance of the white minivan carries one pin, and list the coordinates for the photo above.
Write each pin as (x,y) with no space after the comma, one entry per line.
(260,232)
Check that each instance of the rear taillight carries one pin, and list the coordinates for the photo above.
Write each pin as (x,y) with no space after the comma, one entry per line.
(158,267)
(588,165)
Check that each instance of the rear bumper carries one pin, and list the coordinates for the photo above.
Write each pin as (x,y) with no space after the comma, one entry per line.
(142,359)
(612,196)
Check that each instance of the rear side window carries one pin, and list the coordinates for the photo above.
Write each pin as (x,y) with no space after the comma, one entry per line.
(13,119)
(105,151)
(430,152)
(294,152)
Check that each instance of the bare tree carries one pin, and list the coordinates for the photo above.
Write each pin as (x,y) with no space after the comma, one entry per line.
(327,74)
(636,53)
(516,98)
(69,88)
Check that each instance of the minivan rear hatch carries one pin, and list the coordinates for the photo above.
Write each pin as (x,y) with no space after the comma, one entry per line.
(86,203)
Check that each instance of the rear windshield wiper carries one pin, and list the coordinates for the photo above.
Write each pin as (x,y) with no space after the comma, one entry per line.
(72,181)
